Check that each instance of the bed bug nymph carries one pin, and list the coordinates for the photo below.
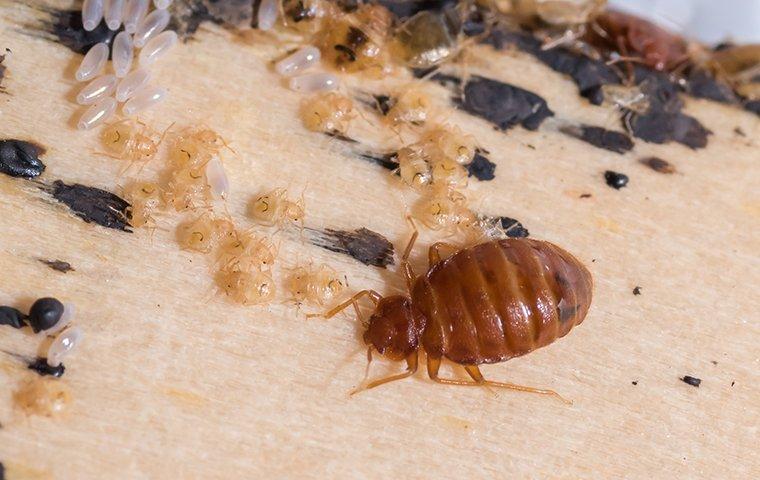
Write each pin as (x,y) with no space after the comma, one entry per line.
(485,304)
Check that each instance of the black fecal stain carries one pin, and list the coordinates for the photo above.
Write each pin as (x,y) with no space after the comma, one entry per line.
(613,141)
(406,8)
(66,28)
(383,103)
(503,104)
(588,74)
(637,290)
(92,204)
(753,106)
(481,167)
(701,84)
(658,165)
(513,228)
(584,195)
(693,381)
(366,246)
(339,136)
(385,160)
(21,159)
(616,180)
(635,382)
(58,265)
(42,368)
(12,317)
(740,132)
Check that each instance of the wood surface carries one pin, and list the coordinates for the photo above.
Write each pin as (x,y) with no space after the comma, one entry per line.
(174,381)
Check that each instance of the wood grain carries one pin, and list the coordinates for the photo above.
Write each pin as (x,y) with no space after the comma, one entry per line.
(173,381)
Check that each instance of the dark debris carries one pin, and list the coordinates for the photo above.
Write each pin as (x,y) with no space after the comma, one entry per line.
(513,228)
(611,140)
(615,180)
(481,167)
(366,246)
(693,381)
(21,159)
(92,204)
(658,165)
(42,368)
(58,265)
(637,290)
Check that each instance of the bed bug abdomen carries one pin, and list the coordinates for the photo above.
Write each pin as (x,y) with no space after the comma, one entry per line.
(501,299)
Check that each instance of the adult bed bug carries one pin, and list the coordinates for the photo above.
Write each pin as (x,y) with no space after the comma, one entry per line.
(484,304)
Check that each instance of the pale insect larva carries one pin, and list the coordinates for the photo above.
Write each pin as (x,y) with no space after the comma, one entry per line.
(97,113)
(152,25)
(92,14)
(144,98)
(122,53)
(217,178)
(275,209)
(267,15)
(134,11)
(299,61)
(443,209)
(448,173)
(451,143)
(162,4)
(414,166)
(145,200)
(327,112)
(131,84)
(319,285)
(114,13)
(314,82)
(246,251)
(64,343)
(97,89)
(247,288)
(412,106)
(93,62)
(187,189)
(204,233)
(157,47)
(130,140)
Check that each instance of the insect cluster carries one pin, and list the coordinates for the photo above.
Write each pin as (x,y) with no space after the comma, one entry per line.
(142,30)
(51,318)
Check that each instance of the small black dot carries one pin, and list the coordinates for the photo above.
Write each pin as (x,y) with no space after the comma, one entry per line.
(615,180)
(637,290)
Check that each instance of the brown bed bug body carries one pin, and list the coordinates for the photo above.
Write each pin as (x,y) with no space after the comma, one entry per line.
(484,304)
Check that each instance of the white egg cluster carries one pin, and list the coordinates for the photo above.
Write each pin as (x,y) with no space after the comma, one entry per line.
(294,65)
(142,30)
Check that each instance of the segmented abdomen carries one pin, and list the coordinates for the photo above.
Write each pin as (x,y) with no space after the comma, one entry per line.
(501,299)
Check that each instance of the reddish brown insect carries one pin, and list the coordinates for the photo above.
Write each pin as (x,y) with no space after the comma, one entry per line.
(635,37)
(484,304)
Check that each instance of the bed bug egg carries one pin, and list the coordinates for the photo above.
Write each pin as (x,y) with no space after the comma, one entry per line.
(144,98)
(97,89)
(204,233)
(267,15)
(122,53)
(92,14)
(134,11)
(314,82)
(162,4)
(114,13)
(97,113)
(131,84)
(414,166)
(64,343)
(247,288)
(93,62)
(299,61)
(153,24)
(217,178)
(328,112)
(319,286)
(412,106)
(157,47)
(144,199)
(275,209)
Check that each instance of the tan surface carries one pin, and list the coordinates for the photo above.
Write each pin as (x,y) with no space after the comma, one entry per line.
(174,382)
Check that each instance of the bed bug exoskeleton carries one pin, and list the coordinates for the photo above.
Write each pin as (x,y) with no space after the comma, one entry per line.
(484,304)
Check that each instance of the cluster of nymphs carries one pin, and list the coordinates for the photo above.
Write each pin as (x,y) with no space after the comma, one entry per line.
(53,319)
(142,30)
(195,182)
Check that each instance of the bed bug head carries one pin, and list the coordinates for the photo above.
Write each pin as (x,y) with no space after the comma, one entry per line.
(395,327)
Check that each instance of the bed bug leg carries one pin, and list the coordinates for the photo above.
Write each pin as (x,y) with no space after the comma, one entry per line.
(434,253)
(433,364)
(407,269)
(373,296)
(411,362)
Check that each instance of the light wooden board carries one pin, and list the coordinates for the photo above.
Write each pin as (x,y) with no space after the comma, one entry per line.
(173,381)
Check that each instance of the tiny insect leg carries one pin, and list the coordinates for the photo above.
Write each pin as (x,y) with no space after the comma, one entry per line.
(411,362)
(433,364)
(434,253)
(409,274)
(373,295)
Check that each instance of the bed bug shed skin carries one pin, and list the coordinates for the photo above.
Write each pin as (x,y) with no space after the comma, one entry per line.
(485,304)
